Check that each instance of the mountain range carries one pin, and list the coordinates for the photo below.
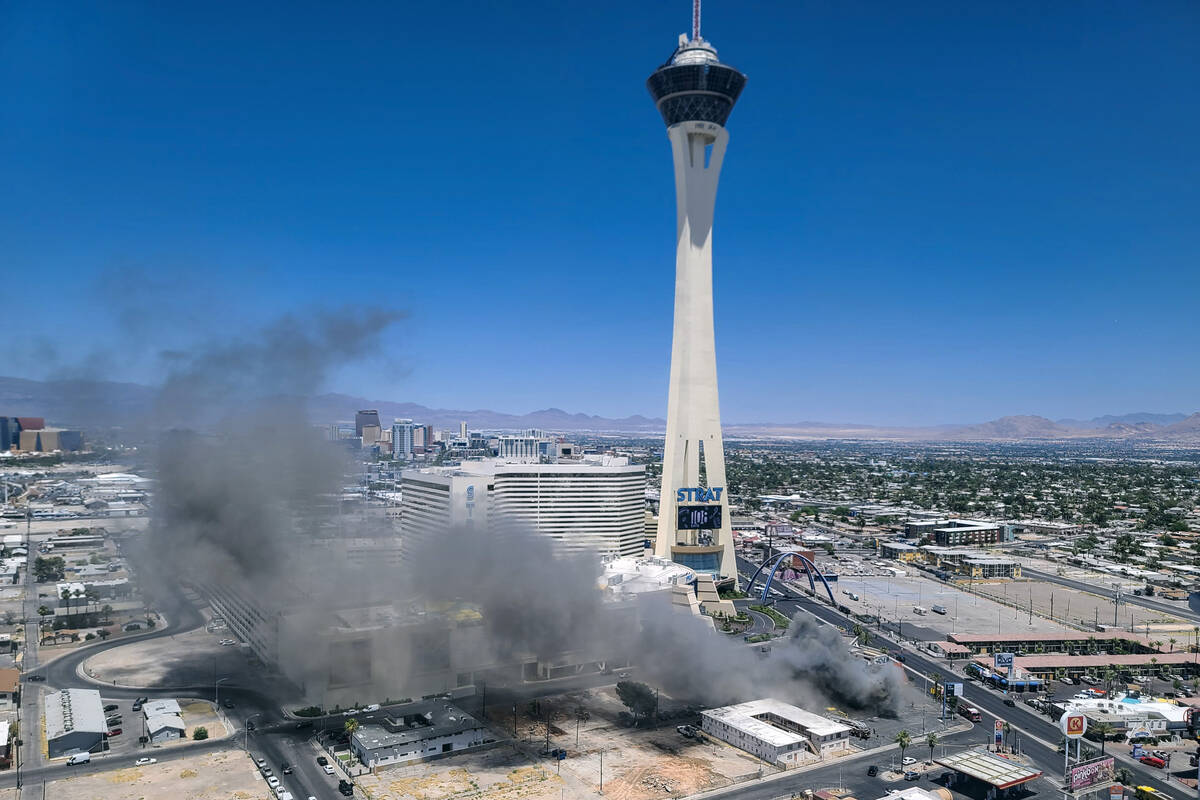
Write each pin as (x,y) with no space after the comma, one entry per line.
(90,404)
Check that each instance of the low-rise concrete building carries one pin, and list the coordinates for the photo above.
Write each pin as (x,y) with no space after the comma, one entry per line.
(10,686)
(74,722)
(164,727)
(776,732)
(424,730)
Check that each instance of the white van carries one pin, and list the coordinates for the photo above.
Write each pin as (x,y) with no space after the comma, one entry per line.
(80,758)
(372,707)
(920,610)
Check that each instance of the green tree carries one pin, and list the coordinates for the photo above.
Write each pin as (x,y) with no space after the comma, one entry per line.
(49,569)
(1103,730)
(200,733)
(351,727)
(107,610)
(44,612)
(639,698)
(903,739)
(931,742)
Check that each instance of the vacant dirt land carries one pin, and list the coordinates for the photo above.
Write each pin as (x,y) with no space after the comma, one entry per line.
(639,763)
(212,776)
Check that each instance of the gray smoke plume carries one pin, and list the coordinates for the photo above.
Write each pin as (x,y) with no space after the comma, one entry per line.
(811,666)
(249,493)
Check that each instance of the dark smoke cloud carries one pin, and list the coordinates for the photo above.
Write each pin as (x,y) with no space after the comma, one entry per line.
(811,666)
(251,501)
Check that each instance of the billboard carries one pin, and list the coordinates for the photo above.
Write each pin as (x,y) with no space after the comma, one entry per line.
(1091,773)
(1003,660)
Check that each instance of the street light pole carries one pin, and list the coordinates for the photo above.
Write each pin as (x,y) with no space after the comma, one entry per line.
(246,740)
(217,694)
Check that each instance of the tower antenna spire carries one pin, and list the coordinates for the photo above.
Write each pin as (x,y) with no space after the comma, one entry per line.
(695,20)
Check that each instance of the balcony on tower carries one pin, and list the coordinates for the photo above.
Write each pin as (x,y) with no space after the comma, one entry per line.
(694,86)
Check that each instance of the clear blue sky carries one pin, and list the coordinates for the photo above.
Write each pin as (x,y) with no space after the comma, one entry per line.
(930,211)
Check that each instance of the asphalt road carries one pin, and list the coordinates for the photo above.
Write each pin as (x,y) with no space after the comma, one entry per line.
(1039,737)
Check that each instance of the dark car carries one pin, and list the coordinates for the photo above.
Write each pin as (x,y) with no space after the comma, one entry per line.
(137,707)
(110,707)
(287,769)
(322,760)
(36,678)
(229,704)
(346,788)
(249,726)
(115,732)
(898,656)
(1008,701)
(872,770)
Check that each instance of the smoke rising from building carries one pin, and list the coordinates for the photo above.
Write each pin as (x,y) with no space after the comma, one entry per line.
(258,504)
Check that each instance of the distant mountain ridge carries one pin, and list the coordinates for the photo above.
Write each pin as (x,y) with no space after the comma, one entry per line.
(87,403)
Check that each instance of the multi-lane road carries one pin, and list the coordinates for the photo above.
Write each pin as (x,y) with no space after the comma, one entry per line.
(1039,736)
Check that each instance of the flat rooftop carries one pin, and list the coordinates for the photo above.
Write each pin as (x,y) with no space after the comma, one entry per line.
(744,717)
(419,722)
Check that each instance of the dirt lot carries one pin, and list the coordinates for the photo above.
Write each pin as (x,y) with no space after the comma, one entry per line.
(212,776)
(639,763)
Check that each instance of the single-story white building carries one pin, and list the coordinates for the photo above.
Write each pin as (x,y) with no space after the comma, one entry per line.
(776,732)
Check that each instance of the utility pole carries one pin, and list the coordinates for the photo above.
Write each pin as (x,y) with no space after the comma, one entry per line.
(601,772)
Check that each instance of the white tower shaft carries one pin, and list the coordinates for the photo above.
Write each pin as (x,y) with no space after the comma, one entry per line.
(693,411)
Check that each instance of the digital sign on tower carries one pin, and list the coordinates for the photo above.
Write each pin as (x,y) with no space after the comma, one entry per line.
(698,518)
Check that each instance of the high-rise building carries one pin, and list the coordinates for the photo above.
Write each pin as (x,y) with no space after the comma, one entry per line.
(402,439)
(596,507)
(695,94)
(462,429)
(436,500)
(364,418)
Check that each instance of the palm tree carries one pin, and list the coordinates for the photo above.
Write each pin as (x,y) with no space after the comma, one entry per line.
(931,741)
(351,726)
(1103,730)
(903,739)
(78,594)
(66,596)
(1172,641)
(107,612)
(43,612)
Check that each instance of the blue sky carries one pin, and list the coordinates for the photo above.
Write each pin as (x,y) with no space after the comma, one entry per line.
(929,212)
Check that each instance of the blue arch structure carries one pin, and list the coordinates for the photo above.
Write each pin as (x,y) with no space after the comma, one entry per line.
(775,563)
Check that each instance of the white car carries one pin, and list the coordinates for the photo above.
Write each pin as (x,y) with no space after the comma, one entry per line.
(328,769)
(141,762)
(228,642)
(908,761)
(272,781)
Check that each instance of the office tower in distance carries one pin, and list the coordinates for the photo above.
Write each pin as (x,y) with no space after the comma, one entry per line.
(364,418)
(695,93)
(402,439)
(462,429)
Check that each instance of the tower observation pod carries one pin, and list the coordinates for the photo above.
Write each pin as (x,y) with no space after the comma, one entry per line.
(695,94)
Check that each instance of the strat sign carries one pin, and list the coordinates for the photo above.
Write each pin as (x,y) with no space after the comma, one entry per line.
(698,495)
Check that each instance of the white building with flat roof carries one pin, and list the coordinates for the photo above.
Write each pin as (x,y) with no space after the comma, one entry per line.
(777,732)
